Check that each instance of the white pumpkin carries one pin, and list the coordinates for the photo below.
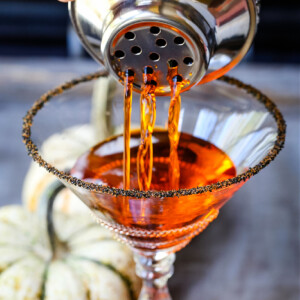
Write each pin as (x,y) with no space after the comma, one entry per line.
(61,150)
(87,264)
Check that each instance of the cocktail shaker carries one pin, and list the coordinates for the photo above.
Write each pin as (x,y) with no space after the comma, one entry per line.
(203,38)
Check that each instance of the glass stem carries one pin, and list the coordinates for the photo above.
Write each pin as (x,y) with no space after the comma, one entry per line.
(155,268)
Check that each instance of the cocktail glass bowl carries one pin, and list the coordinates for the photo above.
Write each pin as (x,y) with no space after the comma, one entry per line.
(233,116)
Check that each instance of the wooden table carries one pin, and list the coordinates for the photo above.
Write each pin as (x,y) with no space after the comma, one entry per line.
(252,250)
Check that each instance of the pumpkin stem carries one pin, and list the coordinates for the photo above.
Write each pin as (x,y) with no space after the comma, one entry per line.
(58,247)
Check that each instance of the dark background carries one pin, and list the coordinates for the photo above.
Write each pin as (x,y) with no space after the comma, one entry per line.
(40,28)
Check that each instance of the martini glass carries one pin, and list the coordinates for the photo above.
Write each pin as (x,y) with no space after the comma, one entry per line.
(233,116)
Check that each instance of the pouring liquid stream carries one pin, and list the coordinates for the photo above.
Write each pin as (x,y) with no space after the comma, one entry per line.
(128,86)
(173,132)
(148,117)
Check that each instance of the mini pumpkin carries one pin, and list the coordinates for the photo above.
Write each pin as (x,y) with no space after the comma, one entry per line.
(61,150)
(80,261)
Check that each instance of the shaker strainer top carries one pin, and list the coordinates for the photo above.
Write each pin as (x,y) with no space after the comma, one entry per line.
(203,38)
(158,45)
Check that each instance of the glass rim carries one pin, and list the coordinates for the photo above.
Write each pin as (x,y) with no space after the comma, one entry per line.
(33,151)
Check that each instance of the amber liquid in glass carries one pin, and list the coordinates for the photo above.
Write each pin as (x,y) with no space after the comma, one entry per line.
(200,162)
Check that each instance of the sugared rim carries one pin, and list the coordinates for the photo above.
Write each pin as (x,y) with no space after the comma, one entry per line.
(34,152)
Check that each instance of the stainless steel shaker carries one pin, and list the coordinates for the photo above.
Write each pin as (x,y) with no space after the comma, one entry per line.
(205,38)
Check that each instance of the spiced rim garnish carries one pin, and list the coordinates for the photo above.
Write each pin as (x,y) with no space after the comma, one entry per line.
(33,151)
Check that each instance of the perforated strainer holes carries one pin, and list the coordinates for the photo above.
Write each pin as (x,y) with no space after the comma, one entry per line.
(154,56)
(136,50)
(188,61)
(119,54)
(130,36)
(162,43)
(148,70)
(179,40)
(173,63)
(155,30)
